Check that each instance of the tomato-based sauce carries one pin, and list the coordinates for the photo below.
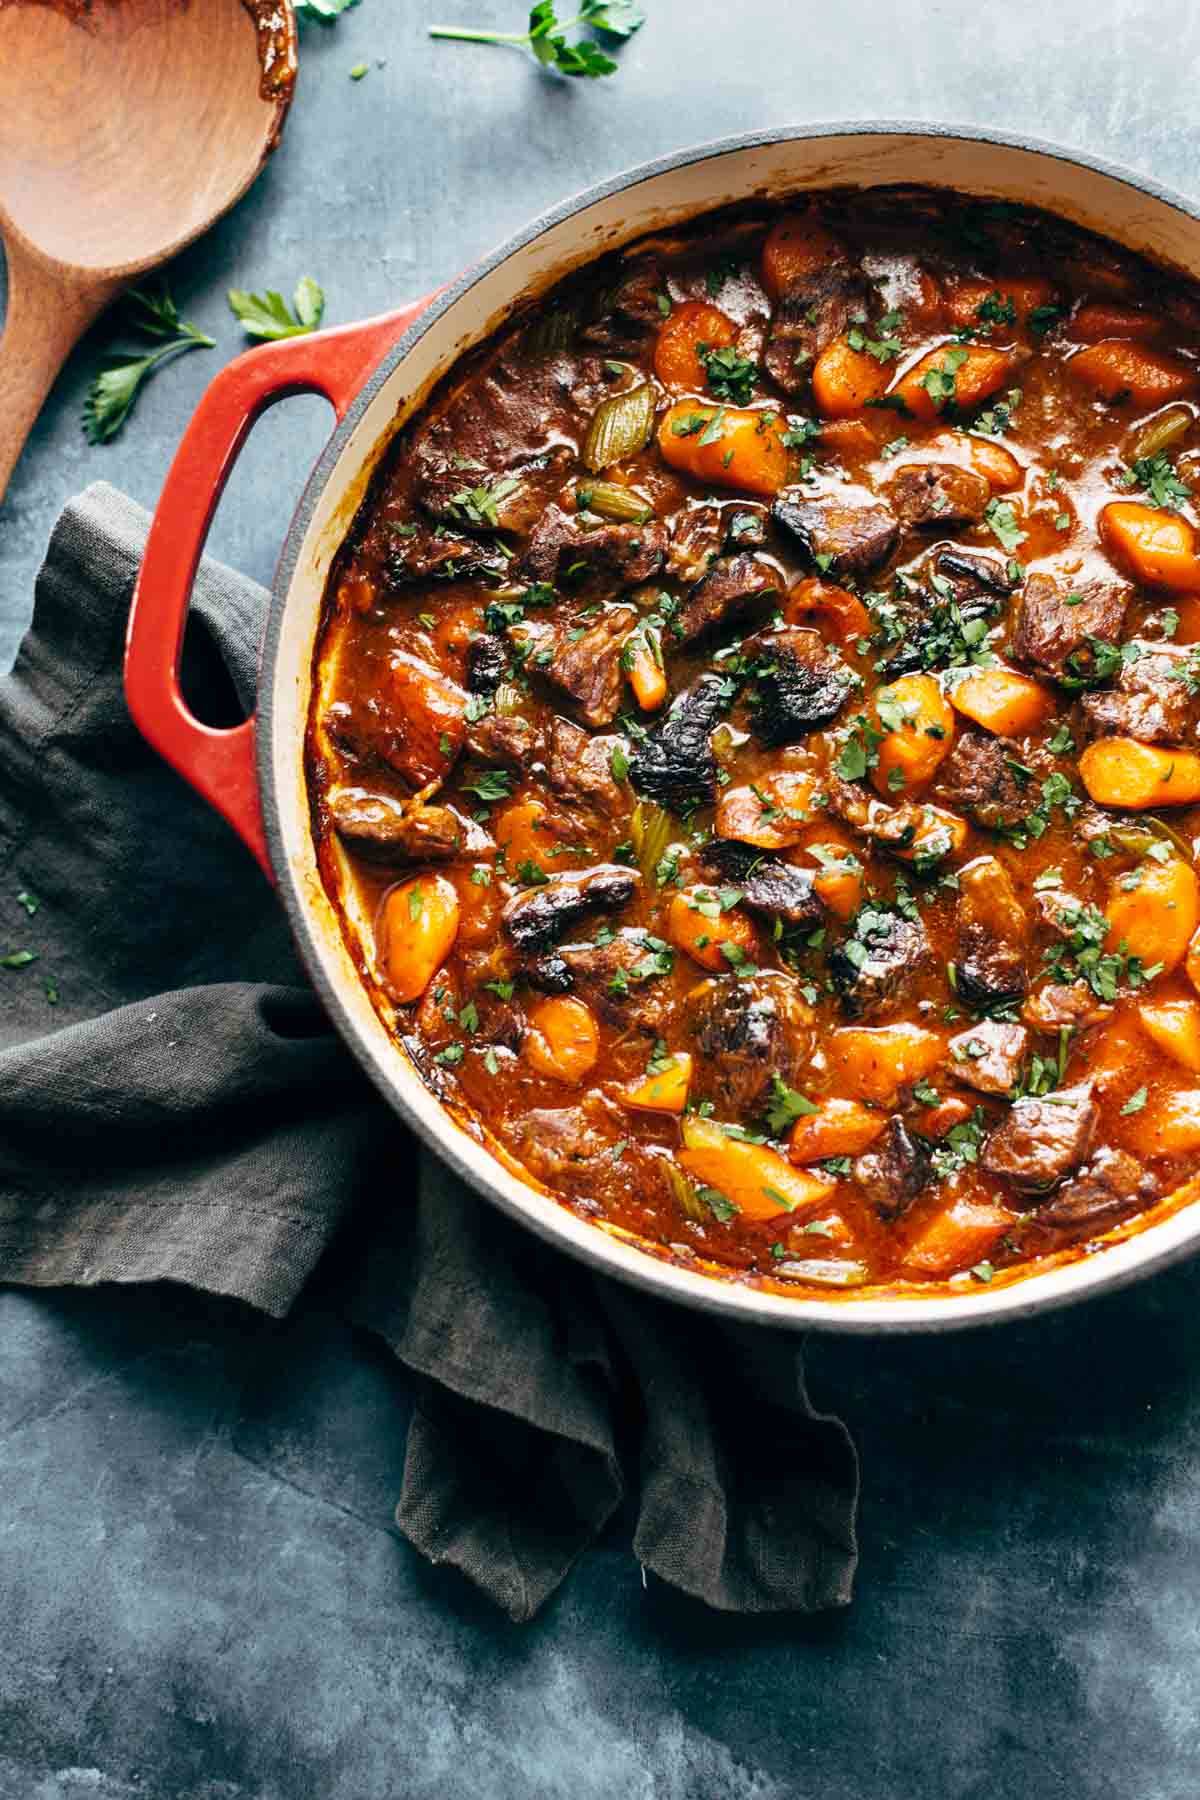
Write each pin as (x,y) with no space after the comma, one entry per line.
(755,742)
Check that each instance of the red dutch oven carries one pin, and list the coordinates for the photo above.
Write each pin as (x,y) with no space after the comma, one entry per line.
(375,375)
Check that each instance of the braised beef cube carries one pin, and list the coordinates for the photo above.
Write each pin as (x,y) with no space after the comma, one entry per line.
(725,593)
(676,766)
(467,499)
(420,554)
(632,311)
(487,665)
(938,494)
(534,918)
(993,936)
(495,424)
(1070,1004)
(384,830)
(771,887)
(415,723)
(1111,1185)
(1042,1141)
(893,1172)
(839,537)
(873,968)
(745,528)
(504,738)
(987,778)
(620,976)
(695,543)
(563,549)
(799,684)
(580,769)
(1152,699)
(807,319)
(585,661)
(745,1033)
(557,1142)
(1056,624)
(988,1056)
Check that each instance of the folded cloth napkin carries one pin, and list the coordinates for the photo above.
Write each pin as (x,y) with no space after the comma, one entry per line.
(174,1105)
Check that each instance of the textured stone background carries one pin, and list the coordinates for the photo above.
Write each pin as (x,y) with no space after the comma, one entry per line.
(200,1596)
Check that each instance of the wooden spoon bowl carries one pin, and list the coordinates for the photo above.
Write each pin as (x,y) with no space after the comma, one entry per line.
(126,128)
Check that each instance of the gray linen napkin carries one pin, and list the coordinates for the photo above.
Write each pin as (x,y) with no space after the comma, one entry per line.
(174,1105)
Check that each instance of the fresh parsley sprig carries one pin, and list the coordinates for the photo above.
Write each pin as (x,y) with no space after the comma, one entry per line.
(266,316)
(546,38)
(325,12)
(110,398)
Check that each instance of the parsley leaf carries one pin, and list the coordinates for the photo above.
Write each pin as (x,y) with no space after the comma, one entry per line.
(325,12)
(1157,475)
(546,37)
(786,1106)
(1002,521)
(111,396)
(267,317)
(730,376)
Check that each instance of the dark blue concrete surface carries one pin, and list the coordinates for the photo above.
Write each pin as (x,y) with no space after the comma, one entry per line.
(200,1594)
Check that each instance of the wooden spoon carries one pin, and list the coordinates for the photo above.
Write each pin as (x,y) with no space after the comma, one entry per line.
(126,128)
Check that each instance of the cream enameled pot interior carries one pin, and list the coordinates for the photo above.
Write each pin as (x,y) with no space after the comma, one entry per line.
(663,195)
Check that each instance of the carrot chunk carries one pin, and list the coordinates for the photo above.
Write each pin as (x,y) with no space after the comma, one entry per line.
(647,676)
(699,926)
(873,1062)
(770,813)
(918,722)
(1118,370)
(1169,1126)
(962,374)
(1120,771)
(562,1040)
(751,1177)
(1158,548)
(1100,319)
(1003,702)
(677,360)
(840,882)
(837,1128)
(1174,1026)
(727,445)
(833,611)
(1155,919)
(666,1090)
(418,923)
(843,380)
(957,1238)
(1022,292)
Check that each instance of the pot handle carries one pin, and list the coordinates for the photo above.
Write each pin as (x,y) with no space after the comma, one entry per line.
(220,765)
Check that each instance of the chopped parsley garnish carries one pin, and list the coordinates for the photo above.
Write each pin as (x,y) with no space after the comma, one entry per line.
(1157,475)
(940,381)
(729,375)
(1002,522)
(787,1105)
(493,784)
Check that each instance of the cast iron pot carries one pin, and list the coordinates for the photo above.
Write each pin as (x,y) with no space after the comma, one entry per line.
(376,374)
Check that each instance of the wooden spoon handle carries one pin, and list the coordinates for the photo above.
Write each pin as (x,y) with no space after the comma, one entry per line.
(48,312)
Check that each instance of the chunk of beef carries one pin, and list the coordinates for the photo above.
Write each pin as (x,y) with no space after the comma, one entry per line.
(745,527)
(415,723)
(620,978)
(1151,700)
(487,664)
(513,417)
(988,1056)
(695,543)
(874,967)
(421,554)
(1043,1141)
(1112,1184)
(535,917)
(893,1172)
(938,494)
(933,621)
(972,577)
(776,889)
(562,547)
(725,593)
(503,738)
(807,319)
(993,936)
(838,536)
(580,769)
(746,1032)
(1055,624)
(384,830)
(630,312)
(983,776)
(1070,1004)
(920,835)
(584,662)
(799,684)
(557,1142)
(676,765)
(470,499)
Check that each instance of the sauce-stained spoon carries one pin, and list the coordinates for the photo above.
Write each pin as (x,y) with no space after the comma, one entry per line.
(126,128)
